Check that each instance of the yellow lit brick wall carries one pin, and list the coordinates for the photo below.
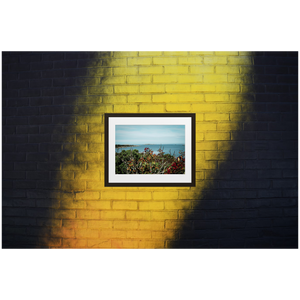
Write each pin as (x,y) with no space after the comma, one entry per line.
(209,84)
(54,141)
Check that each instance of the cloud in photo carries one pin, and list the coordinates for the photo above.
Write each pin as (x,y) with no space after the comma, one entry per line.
(150,134)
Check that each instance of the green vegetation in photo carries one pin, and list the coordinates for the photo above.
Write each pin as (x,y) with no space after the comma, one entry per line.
(133,162)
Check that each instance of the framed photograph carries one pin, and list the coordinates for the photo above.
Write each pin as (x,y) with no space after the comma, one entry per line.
(150,149)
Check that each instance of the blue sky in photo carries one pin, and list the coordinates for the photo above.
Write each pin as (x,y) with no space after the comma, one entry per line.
(150,134)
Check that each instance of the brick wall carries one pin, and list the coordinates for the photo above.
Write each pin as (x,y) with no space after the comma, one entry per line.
(246,150)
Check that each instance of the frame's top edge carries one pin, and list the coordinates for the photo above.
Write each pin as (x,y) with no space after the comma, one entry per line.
(149,114)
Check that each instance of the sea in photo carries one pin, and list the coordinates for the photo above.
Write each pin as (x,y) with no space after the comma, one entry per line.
(170,138)
(173,149)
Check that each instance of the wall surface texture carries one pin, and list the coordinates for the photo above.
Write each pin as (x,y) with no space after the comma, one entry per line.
(53,107)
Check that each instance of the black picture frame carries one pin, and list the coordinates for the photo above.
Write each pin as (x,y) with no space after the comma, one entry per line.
(151,116)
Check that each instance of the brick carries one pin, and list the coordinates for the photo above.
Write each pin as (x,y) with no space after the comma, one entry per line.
(150,70)
(126,89)
(151,205)
(87,138)
(215,78)
(95,165)
(247,79)
(99,243)
(91,72)
(245,136)
(112,215)
(14,156)
(203,88)
(257,126)
(178,107)
(63,138)
(126,205)
(99,224)
(83,90)
(139,98)
(232,184)
(230,126)
(197,60)
(277,88)
(285,164)
(53,184)
(228,87)
(217,136)
(165,195)
(126,71)
(87,175)
(207,146)
(270,155)
(88,214)
(227,69)
(201,69)
(17,139)
(138,79)
(153,88)
(164,215)
(112,195)
(53,92)
(258,184)
(216,98)
(215,60)
(139,61)
(177,205)
(112,234)
(138,215)
(38,175)
(64,175)
(176,69)
(151,108)
(285,184)
(217,155)
(19,84)
(114,62)
(290,173)
(166,98)
(250,194)
(87,233)
(128,108)
(40,83)
(244,155)
(19,67)
(13,211)
(73,185)
(138,195)
(125,225)
(17,121)
(37,157)
(53,56)
(201,127)
(178,88)
(65,64)
(269,173)
(25,166)
(258,164)
(164,61)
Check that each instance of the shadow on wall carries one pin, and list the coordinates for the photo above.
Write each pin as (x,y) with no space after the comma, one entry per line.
(41,97)
(252,201)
